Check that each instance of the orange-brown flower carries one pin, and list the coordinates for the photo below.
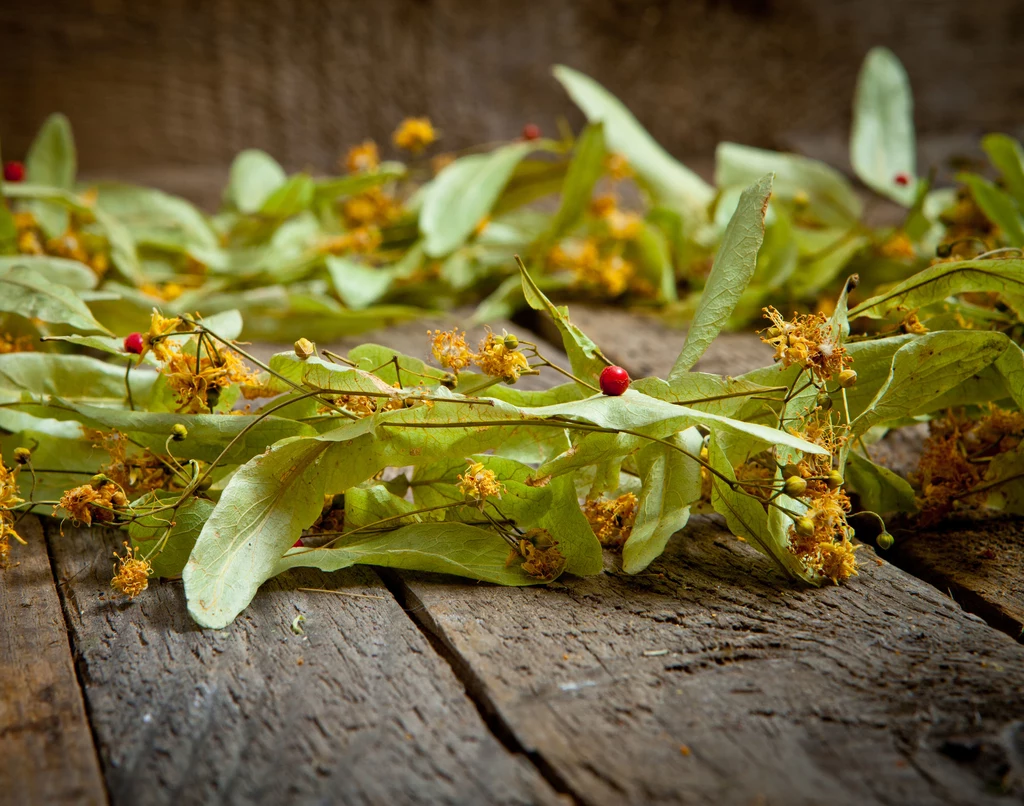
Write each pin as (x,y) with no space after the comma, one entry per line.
(100,503)
(414,134)
(807,342)
(131,572)
(611,518)
(450,349)
(362,158)
(494,357)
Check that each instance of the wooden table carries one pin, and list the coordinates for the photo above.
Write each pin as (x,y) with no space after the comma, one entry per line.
(708,679)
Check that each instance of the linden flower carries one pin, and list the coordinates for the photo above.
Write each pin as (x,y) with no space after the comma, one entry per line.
(87,503)
(611,518)
(15,344)
(496,359)
(192,384)
(160,327)
(759,478)
(8,500)
(450,349)
(618,167)
(414,134)
(360,241)
(131,573)
(480,483)
(911,324)
(897,247)
(828,549)
(540,555)
(806,341)
(362,158)
(580,257)
(373,208)
(137,473)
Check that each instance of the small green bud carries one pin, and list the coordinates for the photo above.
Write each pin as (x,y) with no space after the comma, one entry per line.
(944,250)
(835,480)
(885,541)
(304,349)
(511,342)
(178,432)
(794,486)
(98,480)
(22,456)
(449,381)
(824,401)
(847,378)
(804,526)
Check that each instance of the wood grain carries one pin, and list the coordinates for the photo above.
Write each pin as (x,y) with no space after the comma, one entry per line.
(45,743)
(358,709)
(710,680)
(178,85)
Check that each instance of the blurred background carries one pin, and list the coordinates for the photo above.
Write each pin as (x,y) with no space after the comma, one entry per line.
(167,92)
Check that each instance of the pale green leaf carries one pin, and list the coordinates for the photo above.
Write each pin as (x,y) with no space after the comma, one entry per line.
(997,206)
(585,169)
(255,175)
(671,483)
(32,296)
(462,195)
(730,275)
(53,270)
(1007,155)
(672,183)
(880,490)
(882,143)
(168,547)
(291,198)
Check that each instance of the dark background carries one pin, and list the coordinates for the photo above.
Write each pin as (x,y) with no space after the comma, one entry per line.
(167,92)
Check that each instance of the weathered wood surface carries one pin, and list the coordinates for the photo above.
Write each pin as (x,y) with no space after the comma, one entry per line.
(981,565)
(186,86)
(46,747)
(358,709)
(710,680)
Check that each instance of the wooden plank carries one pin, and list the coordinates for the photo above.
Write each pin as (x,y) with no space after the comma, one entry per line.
(45,743)
(711,680)
(357,709)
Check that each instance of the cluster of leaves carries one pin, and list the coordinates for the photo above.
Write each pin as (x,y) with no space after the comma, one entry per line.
(608,215)
(379,458)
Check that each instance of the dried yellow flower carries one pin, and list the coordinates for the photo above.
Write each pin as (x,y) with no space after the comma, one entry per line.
(414,134)
(131,573)
(450,349)
(807,342)
(480,483)
(90,503)
(494,358)
(362,158)
(611,518)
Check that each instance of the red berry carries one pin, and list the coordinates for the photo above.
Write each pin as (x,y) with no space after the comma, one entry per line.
(614,381)
(14,171)
(902,179)
(298,544)
(133,343)
(531,131)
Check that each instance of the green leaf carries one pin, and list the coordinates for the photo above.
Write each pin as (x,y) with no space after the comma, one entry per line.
(446,548)
(882,138)
(746,517)
(880,489)
(255,175)
(291,198)
(51,161)
(672,183)
(27,294)
(189,518)
(585,357)
(76,378)
(342,186)
(831,198)
(359,286)
(936,283)
(998,207)
(553,506)
(671,483)
(730,275)
(154,217)
(925,368)
(462,195)
(63,449)
(1008,156)
(585,169)
(53,270)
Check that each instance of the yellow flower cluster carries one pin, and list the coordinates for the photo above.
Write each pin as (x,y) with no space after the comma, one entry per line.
(8,500)
(131,573)
(414,134)
(15,344)
(480,483)
(611,518)
(373,208)
(539,554)
(807,342)
(99,502)
(496,356)
(827,549)
(362,158)
(136,473)
(359,241)
(609,275)
(74,244)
